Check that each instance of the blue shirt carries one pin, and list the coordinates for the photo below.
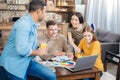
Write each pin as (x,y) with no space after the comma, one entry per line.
(21,41)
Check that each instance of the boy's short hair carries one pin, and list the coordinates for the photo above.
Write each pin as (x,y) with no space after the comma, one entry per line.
(51,22)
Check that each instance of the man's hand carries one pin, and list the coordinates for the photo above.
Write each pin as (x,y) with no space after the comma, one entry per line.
(42,51)
(58,53)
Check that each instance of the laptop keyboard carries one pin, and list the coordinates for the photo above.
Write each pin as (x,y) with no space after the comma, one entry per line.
(72,68)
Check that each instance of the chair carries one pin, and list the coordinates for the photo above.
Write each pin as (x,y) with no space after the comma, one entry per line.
(108,58)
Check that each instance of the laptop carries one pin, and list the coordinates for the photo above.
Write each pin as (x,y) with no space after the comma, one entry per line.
(83,63)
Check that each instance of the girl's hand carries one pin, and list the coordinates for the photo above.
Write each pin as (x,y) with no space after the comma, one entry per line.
(78,55)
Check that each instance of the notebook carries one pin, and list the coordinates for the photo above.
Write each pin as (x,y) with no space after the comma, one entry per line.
(83,63)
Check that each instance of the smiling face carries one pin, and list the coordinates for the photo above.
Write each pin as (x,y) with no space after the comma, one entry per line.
(88,36)
(52,31)
(75,21)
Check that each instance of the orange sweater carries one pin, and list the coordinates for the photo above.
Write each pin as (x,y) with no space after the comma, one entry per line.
(93,49)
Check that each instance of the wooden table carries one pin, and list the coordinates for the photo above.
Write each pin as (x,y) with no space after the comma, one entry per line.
(64,74)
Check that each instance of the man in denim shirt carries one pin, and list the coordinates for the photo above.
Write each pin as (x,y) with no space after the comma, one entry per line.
(16,60)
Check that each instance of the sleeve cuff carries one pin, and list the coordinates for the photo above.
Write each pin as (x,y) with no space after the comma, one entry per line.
(29,53)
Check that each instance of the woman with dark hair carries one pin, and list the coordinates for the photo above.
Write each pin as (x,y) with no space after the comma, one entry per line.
(89,45)
(76,26)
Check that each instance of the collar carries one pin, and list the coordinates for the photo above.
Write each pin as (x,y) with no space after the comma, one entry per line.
(31,20)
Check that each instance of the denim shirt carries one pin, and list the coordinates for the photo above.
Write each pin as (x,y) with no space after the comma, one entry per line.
(21,41)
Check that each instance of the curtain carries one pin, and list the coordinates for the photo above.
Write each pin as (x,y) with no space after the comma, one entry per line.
(104,14)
